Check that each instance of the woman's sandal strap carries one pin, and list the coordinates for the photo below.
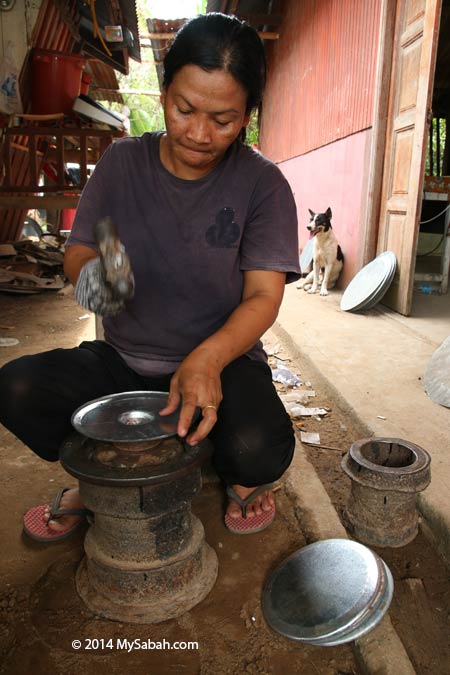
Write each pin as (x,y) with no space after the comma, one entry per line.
(243,503)
(56,512)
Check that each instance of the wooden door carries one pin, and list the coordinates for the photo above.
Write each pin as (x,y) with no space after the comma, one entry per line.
(411,86)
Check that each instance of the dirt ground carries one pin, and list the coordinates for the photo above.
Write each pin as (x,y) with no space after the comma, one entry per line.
(420,609)
(41,613)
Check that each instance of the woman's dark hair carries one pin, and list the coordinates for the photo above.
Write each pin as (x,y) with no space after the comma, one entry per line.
(219,42)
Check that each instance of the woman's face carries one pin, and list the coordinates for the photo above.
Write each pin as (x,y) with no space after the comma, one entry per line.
(204,113)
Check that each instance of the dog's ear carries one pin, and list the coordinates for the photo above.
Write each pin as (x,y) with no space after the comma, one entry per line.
(312,213)
(328,213)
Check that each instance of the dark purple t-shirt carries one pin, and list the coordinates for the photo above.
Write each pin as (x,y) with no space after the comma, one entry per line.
(189,242)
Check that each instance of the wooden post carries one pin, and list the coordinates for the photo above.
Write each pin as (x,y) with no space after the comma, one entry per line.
(33,179)
(60,159)
(83,161)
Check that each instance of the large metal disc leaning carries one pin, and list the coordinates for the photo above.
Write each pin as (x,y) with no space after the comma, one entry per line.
(375,298)
(128,417)
(370,283)
(306,255)
(437,375)
(328,593)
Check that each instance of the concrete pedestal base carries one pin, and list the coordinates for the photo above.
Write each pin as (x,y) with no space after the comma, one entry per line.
(146,556)
(386,475)
(147,593)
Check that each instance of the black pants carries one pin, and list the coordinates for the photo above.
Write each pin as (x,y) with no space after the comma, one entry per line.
(253,438)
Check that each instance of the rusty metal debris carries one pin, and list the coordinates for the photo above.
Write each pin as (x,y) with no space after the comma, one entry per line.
(8,342)
(310,437)
(32,265)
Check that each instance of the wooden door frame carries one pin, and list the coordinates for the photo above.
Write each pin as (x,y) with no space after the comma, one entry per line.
(370,215)
(379,164)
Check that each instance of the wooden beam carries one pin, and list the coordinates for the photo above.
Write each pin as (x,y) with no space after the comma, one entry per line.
(40,118)
(74,156)
(60,131)
(170,36)
(139,92)
(25,148)
(147,44)
(28,189)
(159,36)
(260,19)
(83,161)
(7,159)
(32,166)
(38,201)
(60,160)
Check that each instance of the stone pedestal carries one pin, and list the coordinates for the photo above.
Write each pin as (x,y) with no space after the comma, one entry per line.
(146,556)
(386,475)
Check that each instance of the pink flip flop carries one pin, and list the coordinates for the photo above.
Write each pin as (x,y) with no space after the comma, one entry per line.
(244,525)
(35,522)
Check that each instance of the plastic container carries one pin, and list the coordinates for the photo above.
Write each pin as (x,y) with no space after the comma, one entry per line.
(67,218)
(429,290)
(56,81)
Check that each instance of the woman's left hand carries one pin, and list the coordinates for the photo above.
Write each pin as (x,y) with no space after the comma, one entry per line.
(196,384)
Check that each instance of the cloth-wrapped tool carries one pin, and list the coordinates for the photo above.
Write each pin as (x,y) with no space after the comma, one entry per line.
(106,283)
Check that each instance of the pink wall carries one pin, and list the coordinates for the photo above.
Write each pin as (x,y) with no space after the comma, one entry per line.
(333,176)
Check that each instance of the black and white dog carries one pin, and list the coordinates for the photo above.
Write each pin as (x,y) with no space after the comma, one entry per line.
(328,259)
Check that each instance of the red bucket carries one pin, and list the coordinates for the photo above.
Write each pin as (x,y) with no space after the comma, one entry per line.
(67,218)
(56,81)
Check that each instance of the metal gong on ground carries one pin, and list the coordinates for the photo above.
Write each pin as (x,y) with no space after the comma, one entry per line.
(328,593)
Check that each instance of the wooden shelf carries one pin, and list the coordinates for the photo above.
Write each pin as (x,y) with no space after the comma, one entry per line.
(30,148)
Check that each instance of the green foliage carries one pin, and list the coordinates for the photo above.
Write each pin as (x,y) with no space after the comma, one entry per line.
(144,12)
(146,9)
(438,130)
(140,122)
(200,7)
(145,111)
(252,135)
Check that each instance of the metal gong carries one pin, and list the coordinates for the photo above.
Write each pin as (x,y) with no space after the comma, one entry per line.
(128,417)
(370,284)
(306,256)
(328,593)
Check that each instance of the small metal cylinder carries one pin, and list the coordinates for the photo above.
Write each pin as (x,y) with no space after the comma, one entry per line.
(386,475)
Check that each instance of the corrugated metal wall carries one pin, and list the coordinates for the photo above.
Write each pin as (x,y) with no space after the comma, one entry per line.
(55,29)
(50,32)
(321,75)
